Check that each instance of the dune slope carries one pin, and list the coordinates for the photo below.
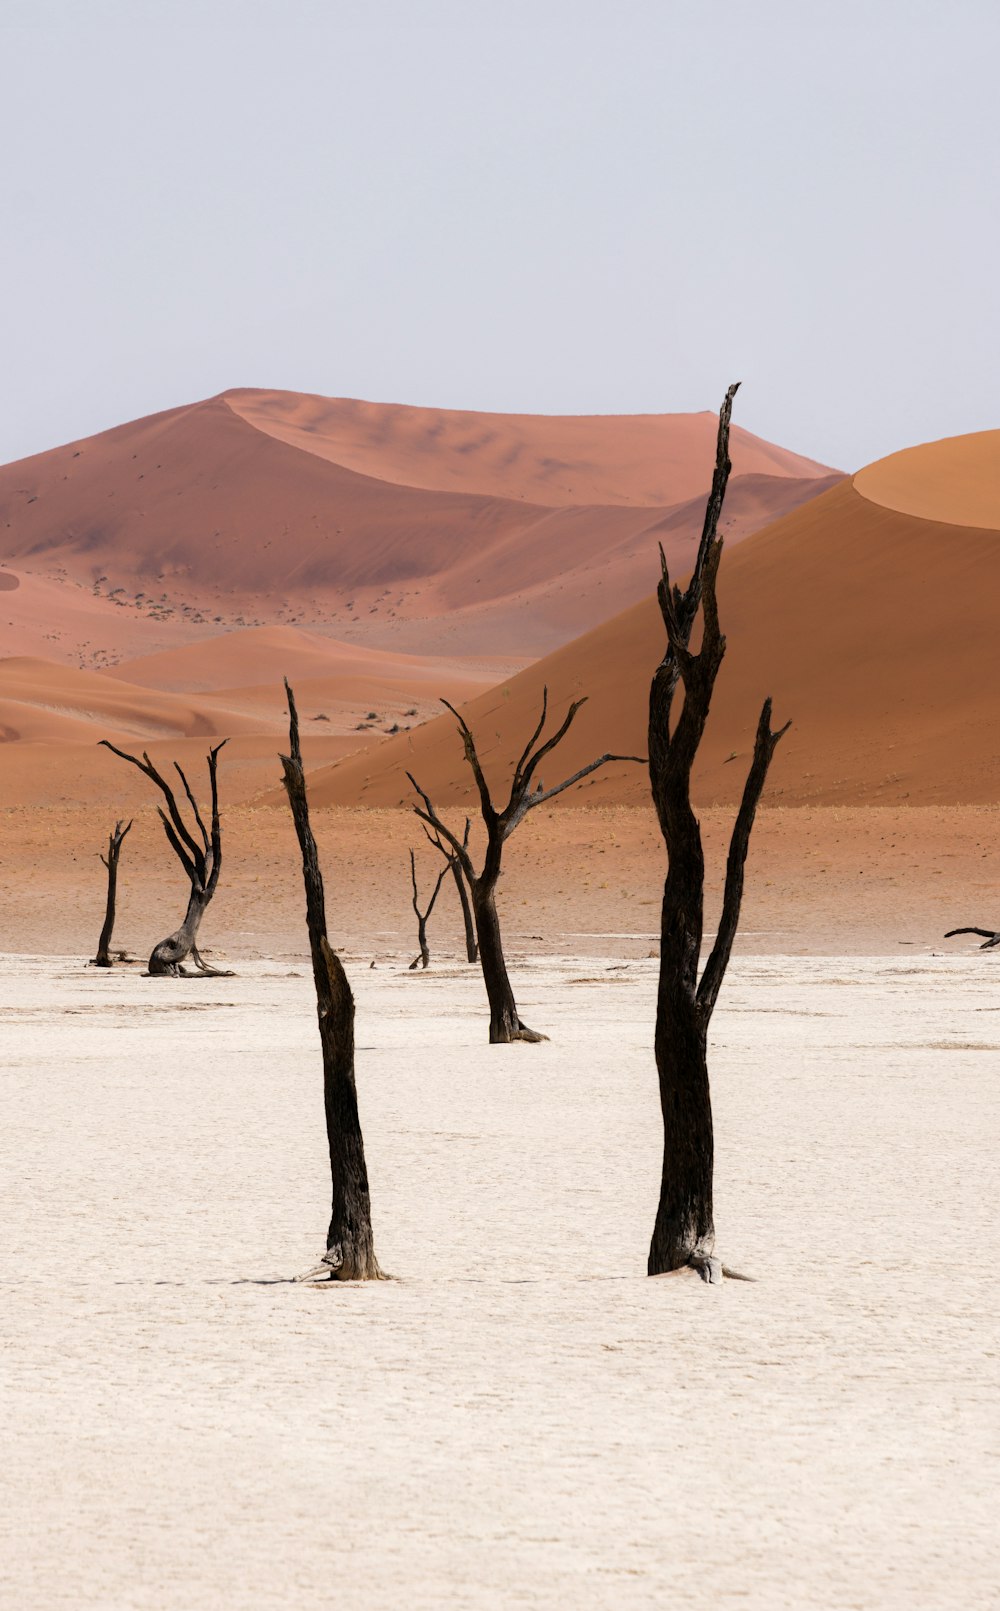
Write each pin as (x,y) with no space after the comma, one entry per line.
(256,508)
(873,629)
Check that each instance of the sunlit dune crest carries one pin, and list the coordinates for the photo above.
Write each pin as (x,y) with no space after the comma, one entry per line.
(417,530)
(840,611)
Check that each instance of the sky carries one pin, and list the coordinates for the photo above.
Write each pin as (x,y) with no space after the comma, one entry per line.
(604,206)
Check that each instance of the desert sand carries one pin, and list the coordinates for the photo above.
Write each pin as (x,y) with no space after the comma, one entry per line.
(840,611)
(520,1417)
(405,528)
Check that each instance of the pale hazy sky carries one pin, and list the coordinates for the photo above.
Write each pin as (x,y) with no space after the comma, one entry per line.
(556,206)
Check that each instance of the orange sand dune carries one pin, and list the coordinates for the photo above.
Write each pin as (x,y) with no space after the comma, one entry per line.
(45,702)
(875,631)
(254,509)
(558,461)
(956,481)
(62,773)
(547,610)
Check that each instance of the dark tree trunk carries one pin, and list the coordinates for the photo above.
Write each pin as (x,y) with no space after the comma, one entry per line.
(684,1230)
(199,853)
(505,1024)
(110,861)
(166,958)
(458,873)
(471,944)
(350,1246)
(424,958)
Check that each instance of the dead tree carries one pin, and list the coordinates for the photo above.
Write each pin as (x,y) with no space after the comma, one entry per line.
(423,960)
(505,1023)
(350,1247)
(451,857)
(684,1231)
(103,957)
(989,937)
(201,858)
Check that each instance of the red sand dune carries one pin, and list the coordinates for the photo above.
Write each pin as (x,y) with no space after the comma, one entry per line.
(60,619)
(559,461)
(875,630)
(383,522)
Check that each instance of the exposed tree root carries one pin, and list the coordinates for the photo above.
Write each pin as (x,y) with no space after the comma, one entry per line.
(710,1269)
(206,968)
(331,1268)
(531,1035)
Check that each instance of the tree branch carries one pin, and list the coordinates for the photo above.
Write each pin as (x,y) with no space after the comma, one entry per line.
(764,747)
(471,755)
(992,939)
(429,815)
(146,766)
(550,744)
(541,794)
(531,742)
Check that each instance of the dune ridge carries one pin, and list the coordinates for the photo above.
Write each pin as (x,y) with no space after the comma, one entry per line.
(383,523)
(837,610)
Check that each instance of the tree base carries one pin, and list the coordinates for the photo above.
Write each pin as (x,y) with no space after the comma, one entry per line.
(710,1270)
(522,1032)
(332,1268)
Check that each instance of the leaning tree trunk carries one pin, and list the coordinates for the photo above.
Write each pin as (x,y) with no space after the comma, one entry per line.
(350,1245)
(199,852)
(471,945)
(110,861)
(166,958)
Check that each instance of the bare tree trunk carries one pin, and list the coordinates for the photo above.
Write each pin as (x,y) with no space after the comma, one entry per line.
(350,1245)
(505,1023)
(684,1230)
(166,958)
(471,943)
(201,858)
(423,960)
(457,871)
(103,957)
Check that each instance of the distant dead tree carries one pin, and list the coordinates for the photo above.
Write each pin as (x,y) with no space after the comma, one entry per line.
(452,858)
(684,1231)
(505,1024)
(200,857)
(103,957)
(350,1246)
(989,936)
(423,960)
